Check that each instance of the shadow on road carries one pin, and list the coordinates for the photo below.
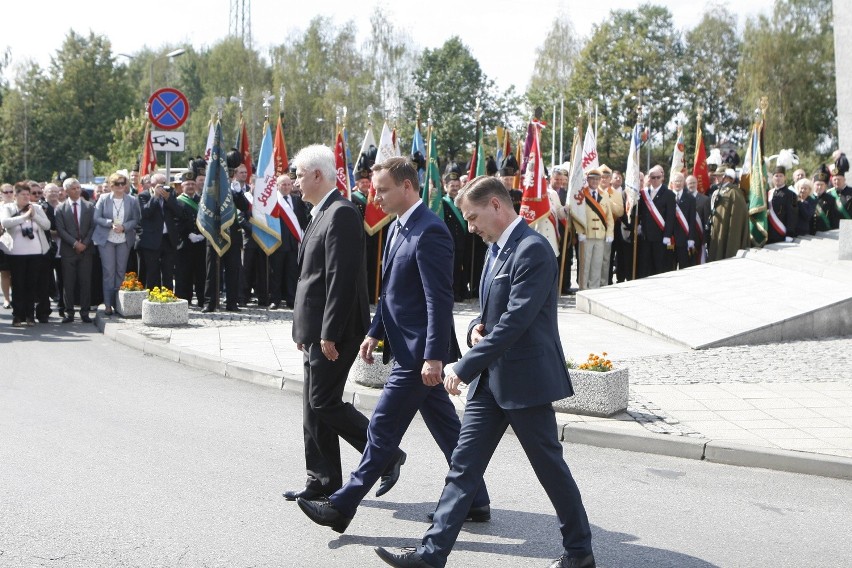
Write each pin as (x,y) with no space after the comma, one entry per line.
(527,535)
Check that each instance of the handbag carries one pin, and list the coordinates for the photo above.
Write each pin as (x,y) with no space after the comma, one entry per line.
(6,242)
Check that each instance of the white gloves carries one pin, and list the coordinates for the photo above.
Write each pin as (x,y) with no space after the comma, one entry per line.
(609,239)
(196,238)
(788,239)
(236,187)
(581,237)
(667,241)
(690,244)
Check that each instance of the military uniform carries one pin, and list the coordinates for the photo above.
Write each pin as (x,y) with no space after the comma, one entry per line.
(596,234)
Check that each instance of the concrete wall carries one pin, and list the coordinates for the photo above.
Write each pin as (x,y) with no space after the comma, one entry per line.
(843,66)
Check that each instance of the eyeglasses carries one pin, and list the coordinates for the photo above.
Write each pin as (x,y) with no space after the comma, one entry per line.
(119,183)
(656,177)
(8,191)
(37,193)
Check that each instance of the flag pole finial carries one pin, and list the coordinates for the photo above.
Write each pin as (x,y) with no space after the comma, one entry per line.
(764,104)
(220,106)
(267,103)
(281,92)
(370,110)
(239,98)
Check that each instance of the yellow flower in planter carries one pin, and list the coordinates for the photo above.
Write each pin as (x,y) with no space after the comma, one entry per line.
(161,295)
(593,363)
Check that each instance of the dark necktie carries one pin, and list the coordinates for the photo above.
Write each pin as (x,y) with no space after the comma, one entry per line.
(486,272)
(76,220)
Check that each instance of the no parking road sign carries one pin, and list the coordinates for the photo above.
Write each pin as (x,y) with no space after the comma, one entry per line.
(168,108)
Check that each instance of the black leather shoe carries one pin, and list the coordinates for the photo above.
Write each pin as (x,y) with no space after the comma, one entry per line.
(390,478)
(208,309)
(68,319)
(43,319)
(409,558)
(274,306)
(474,515)
(323,513)
(233,309)
(85,319)
(309,494)
(566,561)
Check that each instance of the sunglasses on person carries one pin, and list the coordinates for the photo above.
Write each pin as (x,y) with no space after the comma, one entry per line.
(9,191)
(119,183)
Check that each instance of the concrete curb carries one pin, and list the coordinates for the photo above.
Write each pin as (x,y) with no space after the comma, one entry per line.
(626,435)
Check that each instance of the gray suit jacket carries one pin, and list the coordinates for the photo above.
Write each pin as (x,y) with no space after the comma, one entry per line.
(104,217)
(66,226)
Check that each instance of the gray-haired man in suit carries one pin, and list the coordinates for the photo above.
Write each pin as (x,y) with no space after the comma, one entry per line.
(515,369)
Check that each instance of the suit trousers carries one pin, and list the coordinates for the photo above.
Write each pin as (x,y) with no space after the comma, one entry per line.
(113,265)
(77,278)
(26,270)
(681,257)
(283,276)
(231,264)
(594,249)
(606,266)
(403,395)
(46,285)
(654,258)
(483,426)
(326,417)
(254,276)
(191,276)
(160,265)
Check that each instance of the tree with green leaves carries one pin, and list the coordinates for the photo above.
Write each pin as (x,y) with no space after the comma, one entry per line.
(632,54)
(788,57)
(554,64)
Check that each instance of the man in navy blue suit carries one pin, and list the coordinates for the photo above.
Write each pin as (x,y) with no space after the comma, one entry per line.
(515,369)
(414,315)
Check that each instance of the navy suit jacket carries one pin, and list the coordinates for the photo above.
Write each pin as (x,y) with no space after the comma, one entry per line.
(415,311)
(155,213)
(521,351)
(665,203)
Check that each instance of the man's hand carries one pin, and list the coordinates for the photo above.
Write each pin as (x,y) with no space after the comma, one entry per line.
(431,372)
(79,247)
(667,241)
(477,334)
(610,239)
(367,347)
(581,237)
(328,349)
(451,382)
(300,346)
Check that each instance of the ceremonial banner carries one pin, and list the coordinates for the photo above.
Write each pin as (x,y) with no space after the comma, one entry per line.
(678,162)
(757,189)
(433,190)
(590,150)
(343,185)
(631,173)
(699,166)
(387,147)
(244,146)
(216,212)
(279,150)
(418,146)
(148,163)
(576,182)
(374,217)
(266,229)
(208,146)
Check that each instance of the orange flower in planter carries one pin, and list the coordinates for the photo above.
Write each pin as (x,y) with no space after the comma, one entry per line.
(131,283)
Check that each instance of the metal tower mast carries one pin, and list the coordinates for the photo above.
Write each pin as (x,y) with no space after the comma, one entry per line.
(240,21)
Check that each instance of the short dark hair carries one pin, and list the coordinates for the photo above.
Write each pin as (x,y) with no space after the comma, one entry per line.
(22,186)
(400,169)
(480,190)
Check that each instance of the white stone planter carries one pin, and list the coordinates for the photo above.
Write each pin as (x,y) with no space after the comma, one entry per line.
(129,302)
(595,393)
(375,375)
(165,314)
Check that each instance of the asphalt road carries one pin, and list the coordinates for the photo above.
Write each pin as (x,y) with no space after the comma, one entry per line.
(113,458)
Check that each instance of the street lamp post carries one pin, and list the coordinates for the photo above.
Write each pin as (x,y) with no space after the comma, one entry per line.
(170,55)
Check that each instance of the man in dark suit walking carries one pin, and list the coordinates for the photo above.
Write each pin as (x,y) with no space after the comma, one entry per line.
(414,316)
(656,225)
(330,317)
(158,239)
(515,369)
(283,263)
(75,225)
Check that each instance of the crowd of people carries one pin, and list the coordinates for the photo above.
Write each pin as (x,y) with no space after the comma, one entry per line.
(70,247)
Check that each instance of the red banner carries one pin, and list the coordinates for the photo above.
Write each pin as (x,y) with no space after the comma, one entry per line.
(699,168)
(245,150)
(340,165)
(148,163)
(279,151)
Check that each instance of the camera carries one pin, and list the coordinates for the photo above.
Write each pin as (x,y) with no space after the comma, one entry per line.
(28,232)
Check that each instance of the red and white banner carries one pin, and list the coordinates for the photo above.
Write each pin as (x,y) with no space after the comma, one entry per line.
(590,150)
(340,165)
